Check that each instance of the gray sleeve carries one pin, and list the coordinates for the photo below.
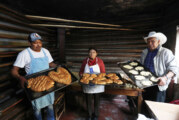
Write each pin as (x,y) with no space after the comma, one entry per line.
(170,62)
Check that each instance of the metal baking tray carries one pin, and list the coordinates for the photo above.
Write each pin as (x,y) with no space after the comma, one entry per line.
(58,86)
(138,82)
(109,84)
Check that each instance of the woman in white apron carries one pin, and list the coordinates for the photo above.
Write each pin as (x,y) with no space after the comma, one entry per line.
(92,65)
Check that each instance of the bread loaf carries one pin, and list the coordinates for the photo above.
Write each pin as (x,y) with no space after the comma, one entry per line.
(40,83)
(61,76)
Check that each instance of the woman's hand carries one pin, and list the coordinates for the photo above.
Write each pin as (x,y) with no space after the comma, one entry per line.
(162,81)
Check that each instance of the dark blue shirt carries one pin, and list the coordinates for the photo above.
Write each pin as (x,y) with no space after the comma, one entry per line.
(149,60)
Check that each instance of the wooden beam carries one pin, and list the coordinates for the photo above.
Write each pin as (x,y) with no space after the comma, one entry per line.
(79,27)
(72,21)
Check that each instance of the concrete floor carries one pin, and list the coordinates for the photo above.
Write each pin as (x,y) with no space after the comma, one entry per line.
(115,108)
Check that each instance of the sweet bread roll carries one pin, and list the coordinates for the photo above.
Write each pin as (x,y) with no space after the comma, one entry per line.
(103,82)
(86,75)
(111,74)
(108,81)
(99,78)
(99,82)
(114,77)
(85,81)
(102,75)
(94,81)
(40,83)
(90,78)
(118,82)
(93,75)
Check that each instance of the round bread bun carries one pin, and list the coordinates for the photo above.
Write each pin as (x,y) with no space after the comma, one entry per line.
(133,63)
(145,73)
(139,77)
(127,66)
(146,83)
(134,72)
(139,68)
(153,79)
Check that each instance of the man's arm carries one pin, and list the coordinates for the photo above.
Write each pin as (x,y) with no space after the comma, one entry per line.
(52,65)
(15,73)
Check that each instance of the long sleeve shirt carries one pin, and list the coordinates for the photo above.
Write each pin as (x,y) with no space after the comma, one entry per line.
(164,62)
(99,62)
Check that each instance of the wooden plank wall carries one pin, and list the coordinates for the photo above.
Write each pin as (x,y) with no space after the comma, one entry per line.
(113,46)
(14,30)
(169,24)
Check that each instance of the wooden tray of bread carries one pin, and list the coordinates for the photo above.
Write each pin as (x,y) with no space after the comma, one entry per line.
(101,79)
(141,76)
(47,81)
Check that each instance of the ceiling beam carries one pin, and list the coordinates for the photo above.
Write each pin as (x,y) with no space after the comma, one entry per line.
(82,27)
(71,21)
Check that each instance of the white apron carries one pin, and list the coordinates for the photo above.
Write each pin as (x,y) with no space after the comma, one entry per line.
(92,88)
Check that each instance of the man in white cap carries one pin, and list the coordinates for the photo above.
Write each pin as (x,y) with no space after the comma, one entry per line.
(161,62)
(35,59)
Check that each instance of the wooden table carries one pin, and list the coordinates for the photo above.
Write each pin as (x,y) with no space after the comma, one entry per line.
(163,111)
(118,91)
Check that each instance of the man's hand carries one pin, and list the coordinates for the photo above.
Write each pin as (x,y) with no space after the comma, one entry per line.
(22,81)
(162,80)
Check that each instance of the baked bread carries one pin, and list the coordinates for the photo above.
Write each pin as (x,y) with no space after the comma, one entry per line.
(133,63)
(139,68)
(61,76)
(99,78)
(40,83)
(86,75)
(102,75)
(134,72)
(109,81)
(119,82)
(127,66)
(110,75)
(146,83)
(103,82)
(145,73)
(85,81)
(93,75)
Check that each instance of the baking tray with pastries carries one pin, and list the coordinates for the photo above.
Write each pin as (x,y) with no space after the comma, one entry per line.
(101,79)
(49,80)
(141,76)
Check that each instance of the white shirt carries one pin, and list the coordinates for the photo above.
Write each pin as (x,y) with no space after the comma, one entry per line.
(23,59)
